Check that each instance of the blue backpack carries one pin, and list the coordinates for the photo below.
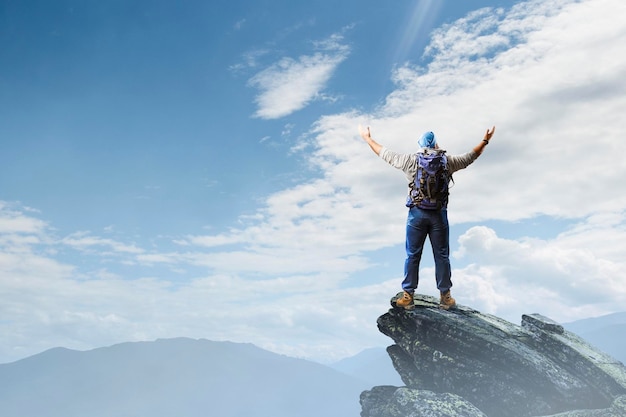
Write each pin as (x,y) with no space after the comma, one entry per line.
(429,188)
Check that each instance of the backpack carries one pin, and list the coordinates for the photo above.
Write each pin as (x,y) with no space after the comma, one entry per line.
(429,188)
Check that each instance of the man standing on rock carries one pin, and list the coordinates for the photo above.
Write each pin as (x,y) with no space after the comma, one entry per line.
(428,173)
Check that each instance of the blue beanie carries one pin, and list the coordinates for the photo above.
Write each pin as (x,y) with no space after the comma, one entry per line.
(428,140)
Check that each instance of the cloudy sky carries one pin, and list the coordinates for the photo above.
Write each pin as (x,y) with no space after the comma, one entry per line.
(194,169)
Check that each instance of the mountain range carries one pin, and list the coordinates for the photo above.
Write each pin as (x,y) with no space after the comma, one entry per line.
(607,333)
(174,377)
(187,377)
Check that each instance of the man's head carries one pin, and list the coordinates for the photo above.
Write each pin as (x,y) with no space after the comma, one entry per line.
(427,140)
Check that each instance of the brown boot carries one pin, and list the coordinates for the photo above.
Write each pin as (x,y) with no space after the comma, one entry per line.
(406,301)
(446,301)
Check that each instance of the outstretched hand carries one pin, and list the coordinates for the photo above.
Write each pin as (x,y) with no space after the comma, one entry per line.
(367,137)
(365,132)
(489,134)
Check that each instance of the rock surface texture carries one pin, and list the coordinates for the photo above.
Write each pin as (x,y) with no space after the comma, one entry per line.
(464,363)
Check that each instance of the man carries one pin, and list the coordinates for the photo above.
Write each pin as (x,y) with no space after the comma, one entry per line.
(421,222)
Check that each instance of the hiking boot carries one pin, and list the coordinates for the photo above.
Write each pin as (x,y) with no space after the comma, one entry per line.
(446,301)
(406,301)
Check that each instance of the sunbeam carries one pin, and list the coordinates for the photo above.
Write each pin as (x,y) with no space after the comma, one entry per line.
(417,27)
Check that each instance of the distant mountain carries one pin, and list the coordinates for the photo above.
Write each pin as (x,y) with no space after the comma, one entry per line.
(372,365)
(175,377)
(607,333)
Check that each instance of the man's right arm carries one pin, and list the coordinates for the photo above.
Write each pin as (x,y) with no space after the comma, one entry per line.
(405,162)
(457,162)
(367,137)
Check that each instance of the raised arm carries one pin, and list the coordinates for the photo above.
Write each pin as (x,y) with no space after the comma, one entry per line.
(367,137)
(481,146)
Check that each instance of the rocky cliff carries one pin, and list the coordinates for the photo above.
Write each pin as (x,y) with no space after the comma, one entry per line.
(464,363)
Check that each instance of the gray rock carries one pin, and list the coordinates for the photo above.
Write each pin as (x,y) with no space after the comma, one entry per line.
(501,369)
(617,409)
(389,401)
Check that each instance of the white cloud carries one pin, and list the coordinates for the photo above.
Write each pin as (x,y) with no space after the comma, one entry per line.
(239,24)
(215,240)
(557,277)
(14,221)
(290,84)
(249,59)
(85,241)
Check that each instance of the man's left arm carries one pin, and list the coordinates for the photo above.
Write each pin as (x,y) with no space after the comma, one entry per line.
(478,149)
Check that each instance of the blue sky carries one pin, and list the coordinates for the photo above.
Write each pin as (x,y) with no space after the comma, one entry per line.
(195,169)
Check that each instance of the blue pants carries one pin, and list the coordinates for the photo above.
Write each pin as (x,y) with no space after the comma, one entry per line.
(434,224)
